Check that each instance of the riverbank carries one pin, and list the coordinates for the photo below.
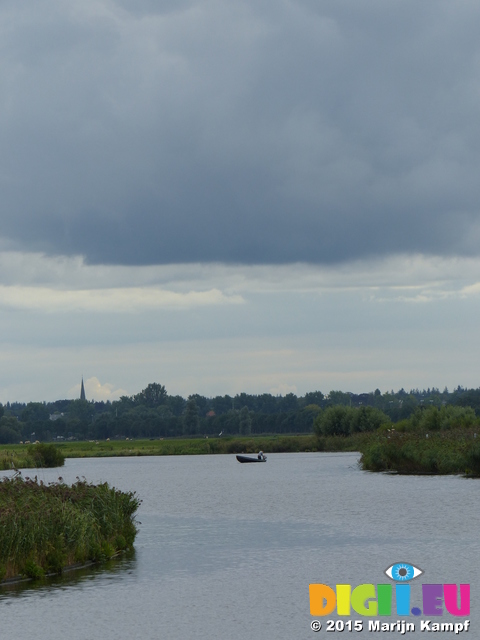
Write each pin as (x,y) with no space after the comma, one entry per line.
(453,451)
(17,454)
(47,527)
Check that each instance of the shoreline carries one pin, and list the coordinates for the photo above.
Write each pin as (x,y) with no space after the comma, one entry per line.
(184,446)
(452,452)
(72,567)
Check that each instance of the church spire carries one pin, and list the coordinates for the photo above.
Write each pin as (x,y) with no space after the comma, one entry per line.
(82,391)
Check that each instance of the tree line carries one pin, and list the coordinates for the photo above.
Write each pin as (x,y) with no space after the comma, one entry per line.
(153,413)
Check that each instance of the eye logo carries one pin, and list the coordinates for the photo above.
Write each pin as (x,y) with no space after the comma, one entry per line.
(403,572)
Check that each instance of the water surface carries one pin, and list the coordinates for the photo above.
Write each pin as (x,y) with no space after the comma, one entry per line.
(227,551)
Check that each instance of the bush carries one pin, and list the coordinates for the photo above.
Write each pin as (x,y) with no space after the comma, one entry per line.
(8,435)
(437,453)
(368,419)
(473,460)
(47,527)
(46,455)
(32,570)
(342,421)
(334,421)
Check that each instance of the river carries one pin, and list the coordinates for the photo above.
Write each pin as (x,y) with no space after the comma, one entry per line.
(227,551)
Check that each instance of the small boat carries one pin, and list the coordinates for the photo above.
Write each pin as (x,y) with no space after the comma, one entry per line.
(248,459)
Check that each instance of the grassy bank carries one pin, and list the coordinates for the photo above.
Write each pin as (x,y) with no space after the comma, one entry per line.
(442,452)
(183,446)
(41,455)
(207,446)
(44,528)
(448,452)
(188,446)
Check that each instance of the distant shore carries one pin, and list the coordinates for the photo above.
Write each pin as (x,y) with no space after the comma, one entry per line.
(456,451)
(16,455)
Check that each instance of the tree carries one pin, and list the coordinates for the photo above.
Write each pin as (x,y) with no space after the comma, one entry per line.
(314,398)
(152,396)
(176,404)
(104,426)
(368,419)
(222,404)
(305,418)
(245,400)
(245,422)
(82,410)
(9,430)
(288,403)
(341,420)
(201,402)
(35,412)
(190,418)
(334,421)
(267,403)
(339,398)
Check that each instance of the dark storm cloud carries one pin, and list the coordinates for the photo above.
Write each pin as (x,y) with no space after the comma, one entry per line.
(146,132)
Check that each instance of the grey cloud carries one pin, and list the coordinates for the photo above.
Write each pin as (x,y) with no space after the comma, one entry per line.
(249,132)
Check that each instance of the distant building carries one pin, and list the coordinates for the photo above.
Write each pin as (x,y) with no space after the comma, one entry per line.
(82,391)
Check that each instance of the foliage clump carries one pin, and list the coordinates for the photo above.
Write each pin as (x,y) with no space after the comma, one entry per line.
(343,421)
(46,455)
(39,455)
(47,527)
(447,452)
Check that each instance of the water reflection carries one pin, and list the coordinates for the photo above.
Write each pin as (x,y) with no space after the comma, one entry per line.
(124,565)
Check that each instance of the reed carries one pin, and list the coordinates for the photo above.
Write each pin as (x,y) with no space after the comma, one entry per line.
(35,456)
(46,455)
(449,452)
(47,527)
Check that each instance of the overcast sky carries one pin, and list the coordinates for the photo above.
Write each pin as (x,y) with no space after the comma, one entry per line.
(238,196)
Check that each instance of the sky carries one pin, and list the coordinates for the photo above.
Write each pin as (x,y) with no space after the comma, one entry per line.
(260,196)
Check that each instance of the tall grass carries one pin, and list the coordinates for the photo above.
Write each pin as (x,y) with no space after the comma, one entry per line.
(46,455)
(450,452)
(12,459)
(46,527)
(39,455)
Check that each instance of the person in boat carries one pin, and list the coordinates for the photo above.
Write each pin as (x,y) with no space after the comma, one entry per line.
(260,455)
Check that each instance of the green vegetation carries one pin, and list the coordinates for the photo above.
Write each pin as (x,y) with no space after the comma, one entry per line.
(154,423)
(414,453)
(434,440)
(153,413)
(45,528)
(39,455)
(344,421)
(186,446)
(15,457)
(46,455)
